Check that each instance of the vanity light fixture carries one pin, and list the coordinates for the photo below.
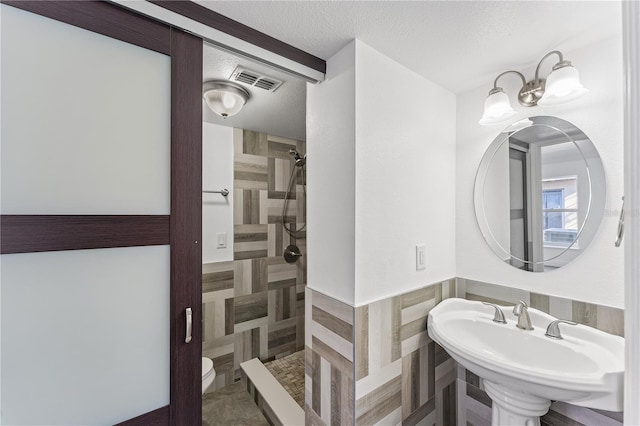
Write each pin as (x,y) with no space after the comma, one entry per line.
(563,85)
(224,98)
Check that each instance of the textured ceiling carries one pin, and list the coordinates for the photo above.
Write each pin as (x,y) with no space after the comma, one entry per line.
(279,113)
(460,45)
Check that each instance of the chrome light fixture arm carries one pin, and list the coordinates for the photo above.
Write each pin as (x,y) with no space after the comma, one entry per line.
(561,62)
(495,82)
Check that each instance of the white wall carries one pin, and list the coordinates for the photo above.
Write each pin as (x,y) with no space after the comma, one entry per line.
(331,114)
(217,174)
(597,274)
(405,178)
(381,178)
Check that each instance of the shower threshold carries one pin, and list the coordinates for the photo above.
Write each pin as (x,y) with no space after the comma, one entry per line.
(270,396)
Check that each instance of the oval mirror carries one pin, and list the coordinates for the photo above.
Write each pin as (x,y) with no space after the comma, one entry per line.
(540,193)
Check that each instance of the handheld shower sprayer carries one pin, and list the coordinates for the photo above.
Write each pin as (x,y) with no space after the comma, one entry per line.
(300,161)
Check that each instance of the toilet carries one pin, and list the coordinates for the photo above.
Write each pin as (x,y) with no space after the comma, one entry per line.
(208,374)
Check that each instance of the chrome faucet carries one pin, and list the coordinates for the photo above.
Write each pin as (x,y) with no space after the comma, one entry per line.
(553,330)
(498,316)
(521,311)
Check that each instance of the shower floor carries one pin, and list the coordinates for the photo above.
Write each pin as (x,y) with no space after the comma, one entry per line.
(289,372)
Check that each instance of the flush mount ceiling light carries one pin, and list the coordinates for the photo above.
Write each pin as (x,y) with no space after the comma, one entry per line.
(224,98)
(563,85)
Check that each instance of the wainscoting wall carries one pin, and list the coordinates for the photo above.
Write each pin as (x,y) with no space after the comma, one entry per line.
(401,376)
(253,306)
(375,364)
(474,405)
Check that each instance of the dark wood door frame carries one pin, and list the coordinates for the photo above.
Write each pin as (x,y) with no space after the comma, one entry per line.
(181,229)
(186,227)
(212,19)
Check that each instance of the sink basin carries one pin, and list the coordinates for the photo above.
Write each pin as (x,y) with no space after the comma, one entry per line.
(524,370)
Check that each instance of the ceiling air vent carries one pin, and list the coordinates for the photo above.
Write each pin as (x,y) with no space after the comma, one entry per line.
(252,78)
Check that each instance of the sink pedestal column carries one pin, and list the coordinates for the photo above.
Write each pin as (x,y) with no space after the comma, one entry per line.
(514,408)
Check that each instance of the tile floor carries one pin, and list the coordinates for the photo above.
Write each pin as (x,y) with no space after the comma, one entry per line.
(231,406)
(289,371)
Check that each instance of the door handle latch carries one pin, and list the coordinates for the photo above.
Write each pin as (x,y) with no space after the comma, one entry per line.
(189,317)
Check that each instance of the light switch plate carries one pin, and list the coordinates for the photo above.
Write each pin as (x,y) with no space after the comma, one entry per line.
(221,240)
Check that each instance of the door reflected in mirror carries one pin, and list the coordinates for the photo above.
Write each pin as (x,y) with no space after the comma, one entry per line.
(540,193)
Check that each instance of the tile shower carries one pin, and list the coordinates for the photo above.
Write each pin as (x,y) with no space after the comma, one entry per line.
(253,306)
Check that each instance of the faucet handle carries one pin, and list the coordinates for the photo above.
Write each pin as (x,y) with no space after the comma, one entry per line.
(519,307)
(553,330)
(498,316)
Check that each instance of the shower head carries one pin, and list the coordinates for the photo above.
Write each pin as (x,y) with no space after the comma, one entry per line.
(300,161)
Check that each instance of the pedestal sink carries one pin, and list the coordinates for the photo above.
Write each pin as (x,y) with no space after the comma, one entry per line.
(524,371)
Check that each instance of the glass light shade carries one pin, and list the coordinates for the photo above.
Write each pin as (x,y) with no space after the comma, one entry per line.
(563,85)
(225,99)
(225,104)
(497,109)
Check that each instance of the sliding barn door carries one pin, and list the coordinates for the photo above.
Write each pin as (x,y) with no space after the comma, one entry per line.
(101,217)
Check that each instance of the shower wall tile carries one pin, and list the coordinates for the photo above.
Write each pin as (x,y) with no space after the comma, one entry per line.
(217,276)
(218,320)
(279,147)
(254,306)
(250,171)
(261,181)
(254,143)
(250,241)
(474,405)
(249,308)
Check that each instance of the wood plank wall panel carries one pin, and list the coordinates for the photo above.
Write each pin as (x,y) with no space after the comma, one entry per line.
(103,18)
(329,369)
(39,233)
(186,227)
(605,318)
(475,405)
(234,28)
(402,375)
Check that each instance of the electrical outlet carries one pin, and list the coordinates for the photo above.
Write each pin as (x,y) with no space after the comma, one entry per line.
(421,257)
